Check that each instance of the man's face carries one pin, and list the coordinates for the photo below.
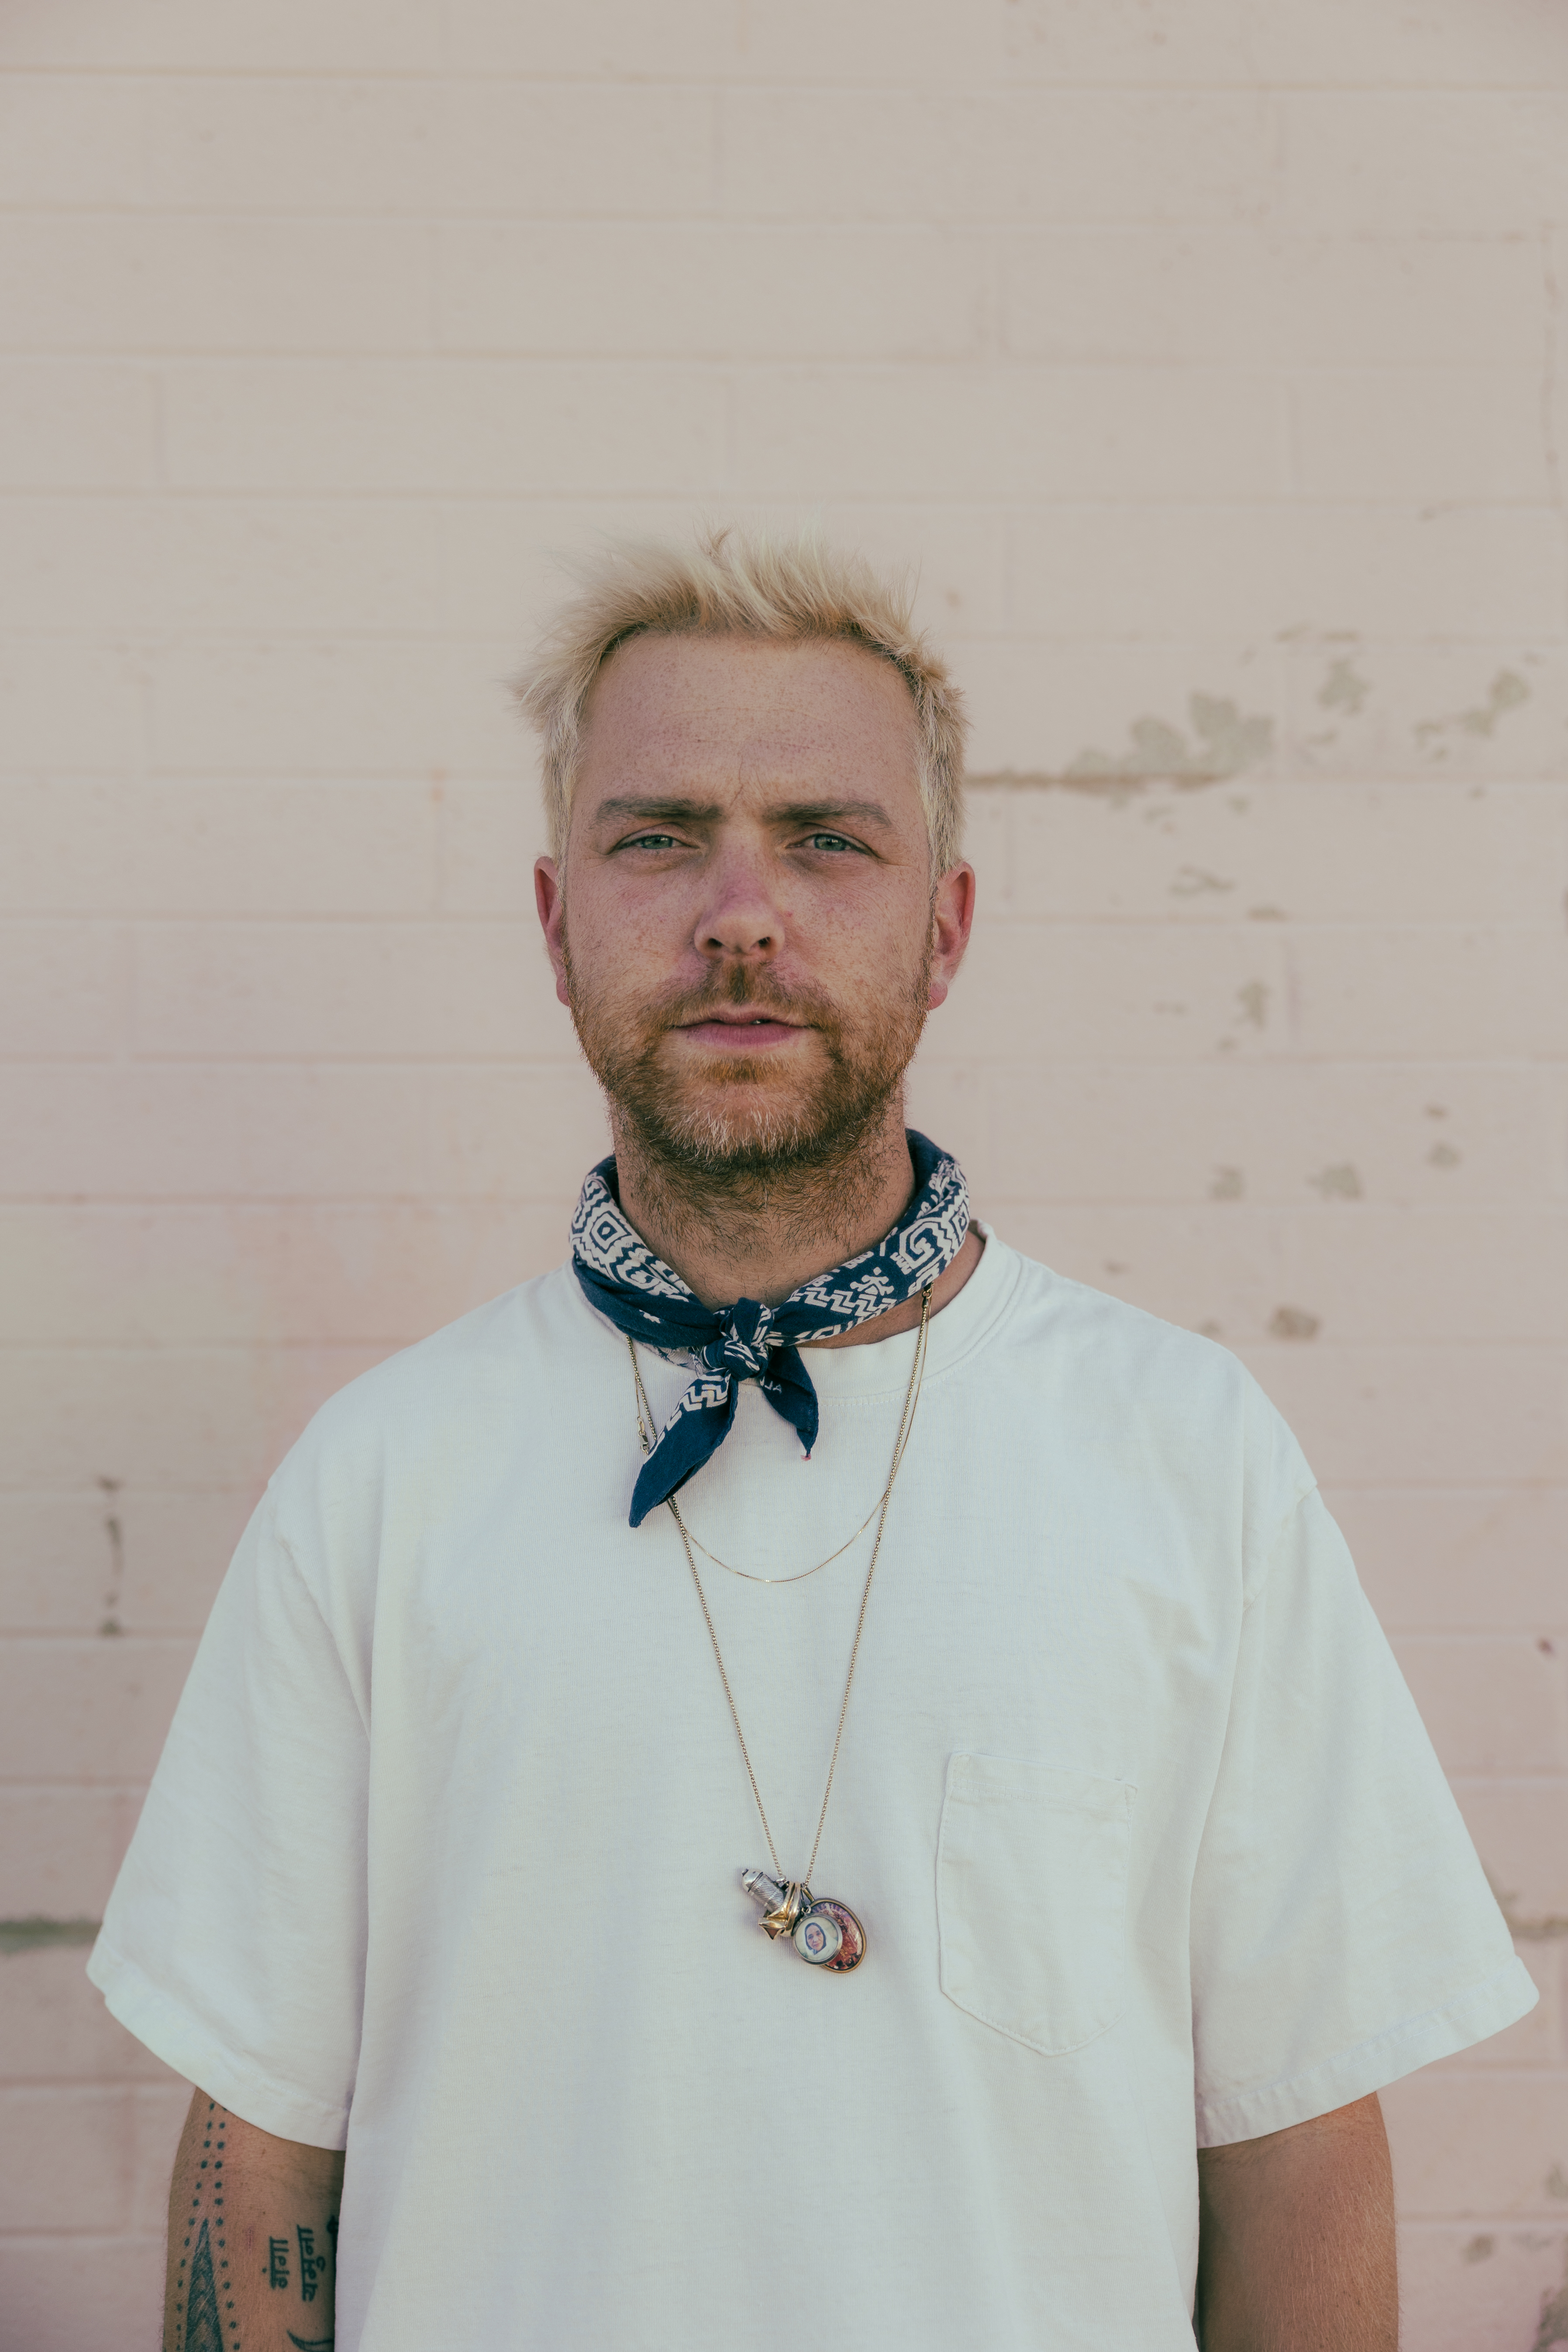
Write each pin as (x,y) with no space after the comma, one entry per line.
(754,942)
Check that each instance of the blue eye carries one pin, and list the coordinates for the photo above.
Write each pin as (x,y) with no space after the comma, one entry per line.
(830,840)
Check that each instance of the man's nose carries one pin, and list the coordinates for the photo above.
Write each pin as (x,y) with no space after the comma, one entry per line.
(741,917)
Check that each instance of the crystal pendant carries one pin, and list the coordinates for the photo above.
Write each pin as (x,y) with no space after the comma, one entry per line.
(824,1932)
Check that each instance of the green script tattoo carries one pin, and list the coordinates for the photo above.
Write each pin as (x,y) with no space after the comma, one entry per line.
(311,2263)
(312,2266)
(203,2295)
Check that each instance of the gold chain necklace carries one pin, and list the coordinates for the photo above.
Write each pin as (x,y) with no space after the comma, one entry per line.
(823,1930)
(751,1576)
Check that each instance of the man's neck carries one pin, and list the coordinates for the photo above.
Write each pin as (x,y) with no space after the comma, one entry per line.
(760,1236)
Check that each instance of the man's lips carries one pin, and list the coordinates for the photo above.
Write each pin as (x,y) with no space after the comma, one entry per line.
(740,1031)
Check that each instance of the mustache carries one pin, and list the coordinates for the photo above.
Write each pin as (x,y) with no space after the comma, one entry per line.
(739,989)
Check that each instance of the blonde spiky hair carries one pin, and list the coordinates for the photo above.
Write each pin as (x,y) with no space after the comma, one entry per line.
(731,583)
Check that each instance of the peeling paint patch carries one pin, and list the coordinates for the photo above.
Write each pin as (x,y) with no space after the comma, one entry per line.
(115,1531)
(1294,1323)
(1553,2328)
(1442,1155)
(1506,693)
(1344,688)
(1192,882)
(1253,998)
(1221,741)
(1478,2250)
(1229,1184)
(1548,1927)
(1267,915)
(34,1934)
(1340,1183)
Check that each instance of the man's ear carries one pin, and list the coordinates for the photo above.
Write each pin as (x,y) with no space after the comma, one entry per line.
(951,919)
(549,898)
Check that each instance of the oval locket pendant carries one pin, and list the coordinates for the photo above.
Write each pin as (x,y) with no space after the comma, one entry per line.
(830,1937)
(825,1934)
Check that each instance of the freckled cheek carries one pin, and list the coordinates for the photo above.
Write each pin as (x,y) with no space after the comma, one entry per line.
(619,928)
(880,932)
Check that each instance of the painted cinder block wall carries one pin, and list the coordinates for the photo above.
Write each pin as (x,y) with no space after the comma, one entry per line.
(1211,361)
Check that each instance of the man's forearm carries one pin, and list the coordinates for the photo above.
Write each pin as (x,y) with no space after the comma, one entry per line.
(253,2239)
(1295,2240)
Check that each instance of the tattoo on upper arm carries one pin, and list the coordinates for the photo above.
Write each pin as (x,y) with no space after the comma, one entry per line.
(202,2298)
(311,2264)
(204,2328)
(202,2315)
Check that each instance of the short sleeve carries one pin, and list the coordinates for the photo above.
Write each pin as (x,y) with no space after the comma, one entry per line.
(234,1942)
(1343,1930)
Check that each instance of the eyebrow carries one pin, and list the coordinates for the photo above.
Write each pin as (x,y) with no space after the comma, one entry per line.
(652,807)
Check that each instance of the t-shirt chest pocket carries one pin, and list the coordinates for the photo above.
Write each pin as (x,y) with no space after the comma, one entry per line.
(1031,1878)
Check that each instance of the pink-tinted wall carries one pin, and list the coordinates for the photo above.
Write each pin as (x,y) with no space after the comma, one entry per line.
(1211,361)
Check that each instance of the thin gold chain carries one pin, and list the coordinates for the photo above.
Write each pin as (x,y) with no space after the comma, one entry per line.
(751,1576)
(906,1424)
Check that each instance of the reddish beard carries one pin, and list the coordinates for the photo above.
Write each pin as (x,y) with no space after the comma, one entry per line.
(749,1115)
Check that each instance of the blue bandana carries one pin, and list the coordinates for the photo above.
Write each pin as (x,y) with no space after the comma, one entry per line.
(647,1300)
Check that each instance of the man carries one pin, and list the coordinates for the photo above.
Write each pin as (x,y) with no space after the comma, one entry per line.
(1103,1869)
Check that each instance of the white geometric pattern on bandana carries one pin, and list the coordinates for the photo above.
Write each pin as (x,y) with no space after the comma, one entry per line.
(915,1252)
(601,1238)
(847,1295)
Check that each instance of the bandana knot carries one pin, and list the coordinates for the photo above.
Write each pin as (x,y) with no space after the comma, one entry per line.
(743,1346)
(748,1341)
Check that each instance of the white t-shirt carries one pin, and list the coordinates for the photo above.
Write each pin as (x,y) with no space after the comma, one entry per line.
(441,1861)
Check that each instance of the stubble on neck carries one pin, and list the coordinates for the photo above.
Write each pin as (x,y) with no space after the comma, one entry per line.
(755,1231)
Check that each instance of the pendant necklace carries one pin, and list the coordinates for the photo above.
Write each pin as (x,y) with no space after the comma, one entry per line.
(824,1932)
